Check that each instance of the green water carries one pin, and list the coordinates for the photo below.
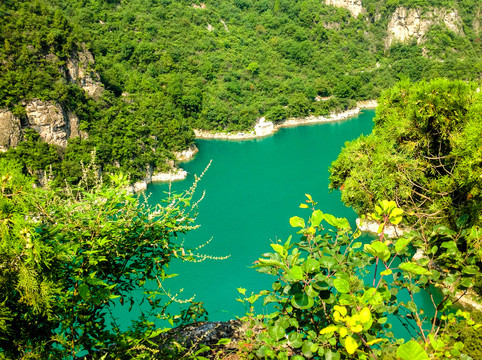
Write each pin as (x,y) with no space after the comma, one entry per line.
(252,189)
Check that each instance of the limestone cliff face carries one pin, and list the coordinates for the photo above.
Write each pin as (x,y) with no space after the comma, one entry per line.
(354,6)
(10,130)
(51,121)
(79,70)
(54,123)
(412,24)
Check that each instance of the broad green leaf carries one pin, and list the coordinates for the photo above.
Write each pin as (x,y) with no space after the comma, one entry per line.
(311,292)
(84,291)
(386,272)
(224,341)
(295,339)
(341,285)
(276,332)
(302,301)
(304,206)
(471,270)
(411,351)
(316,218)
(296,221)
(339,223)
(278,248)
(311,265)
(350,345)
(242,291)
(329,329)
(341,309)
(414,268)
(401,244)
(378,249)
(296,273)
(365,315)
(437,344)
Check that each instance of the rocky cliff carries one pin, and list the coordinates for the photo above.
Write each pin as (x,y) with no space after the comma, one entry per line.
(354,6)
(54,123)
(79,70)
(412,24)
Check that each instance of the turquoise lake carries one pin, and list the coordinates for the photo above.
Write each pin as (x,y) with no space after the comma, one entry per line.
(252,188)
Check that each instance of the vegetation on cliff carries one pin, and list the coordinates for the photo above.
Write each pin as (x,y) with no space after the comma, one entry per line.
(170,66)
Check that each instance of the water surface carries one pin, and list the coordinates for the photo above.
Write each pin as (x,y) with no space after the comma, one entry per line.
(252,189)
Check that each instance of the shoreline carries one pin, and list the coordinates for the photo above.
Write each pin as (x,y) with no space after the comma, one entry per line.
(262,129)
(266,128)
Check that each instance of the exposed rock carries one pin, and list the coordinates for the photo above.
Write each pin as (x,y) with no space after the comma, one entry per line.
(210,27)
(390,231)
(225,26)
(53,124)
(186,155)
(412,24)
(263,127)
(10,130)
(175,174)
(79,70)
(193,336)
(354,6)
(201,6)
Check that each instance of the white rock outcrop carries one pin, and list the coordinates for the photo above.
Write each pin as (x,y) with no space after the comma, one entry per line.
(390,231)
(263,127)
(354,6)
(186,155)
(412,24)
(10,130)
(80,71)
(52,122)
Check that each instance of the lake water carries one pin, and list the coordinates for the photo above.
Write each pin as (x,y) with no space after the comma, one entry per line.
(252,189)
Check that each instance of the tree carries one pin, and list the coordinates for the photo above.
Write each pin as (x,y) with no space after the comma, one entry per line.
(66,256)
(333,296)
(424,152)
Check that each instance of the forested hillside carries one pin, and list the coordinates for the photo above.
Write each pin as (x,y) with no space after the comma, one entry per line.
(170,66)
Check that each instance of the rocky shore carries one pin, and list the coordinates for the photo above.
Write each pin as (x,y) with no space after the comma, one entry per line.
(265,128)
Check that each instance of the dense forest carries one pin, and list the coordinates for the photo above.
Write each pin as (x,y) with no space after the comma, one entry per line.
(158,69)
(68,255)
(170,66)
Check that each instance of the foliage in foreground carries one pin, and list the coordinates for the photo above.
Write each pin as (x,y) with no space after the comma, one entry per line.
(337,297)
(68,255)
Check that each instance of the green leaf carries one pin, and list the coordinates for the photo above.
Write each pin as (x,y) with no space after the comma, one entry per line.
(471,270)
(224,341)
(329,329)
(296,221)
(386,272)
(316,218)
(412,351)
(378,249)
(339,223)
(84,291)
(311,265)
(295,340)
(401,244)
(278,248)
(276,332)
(296,273)
(414,268)
(302,301)
(350,345)
(341,285)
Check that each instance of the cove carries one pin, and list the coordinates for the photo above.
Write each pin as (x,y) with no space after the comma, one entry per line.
(252,188)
